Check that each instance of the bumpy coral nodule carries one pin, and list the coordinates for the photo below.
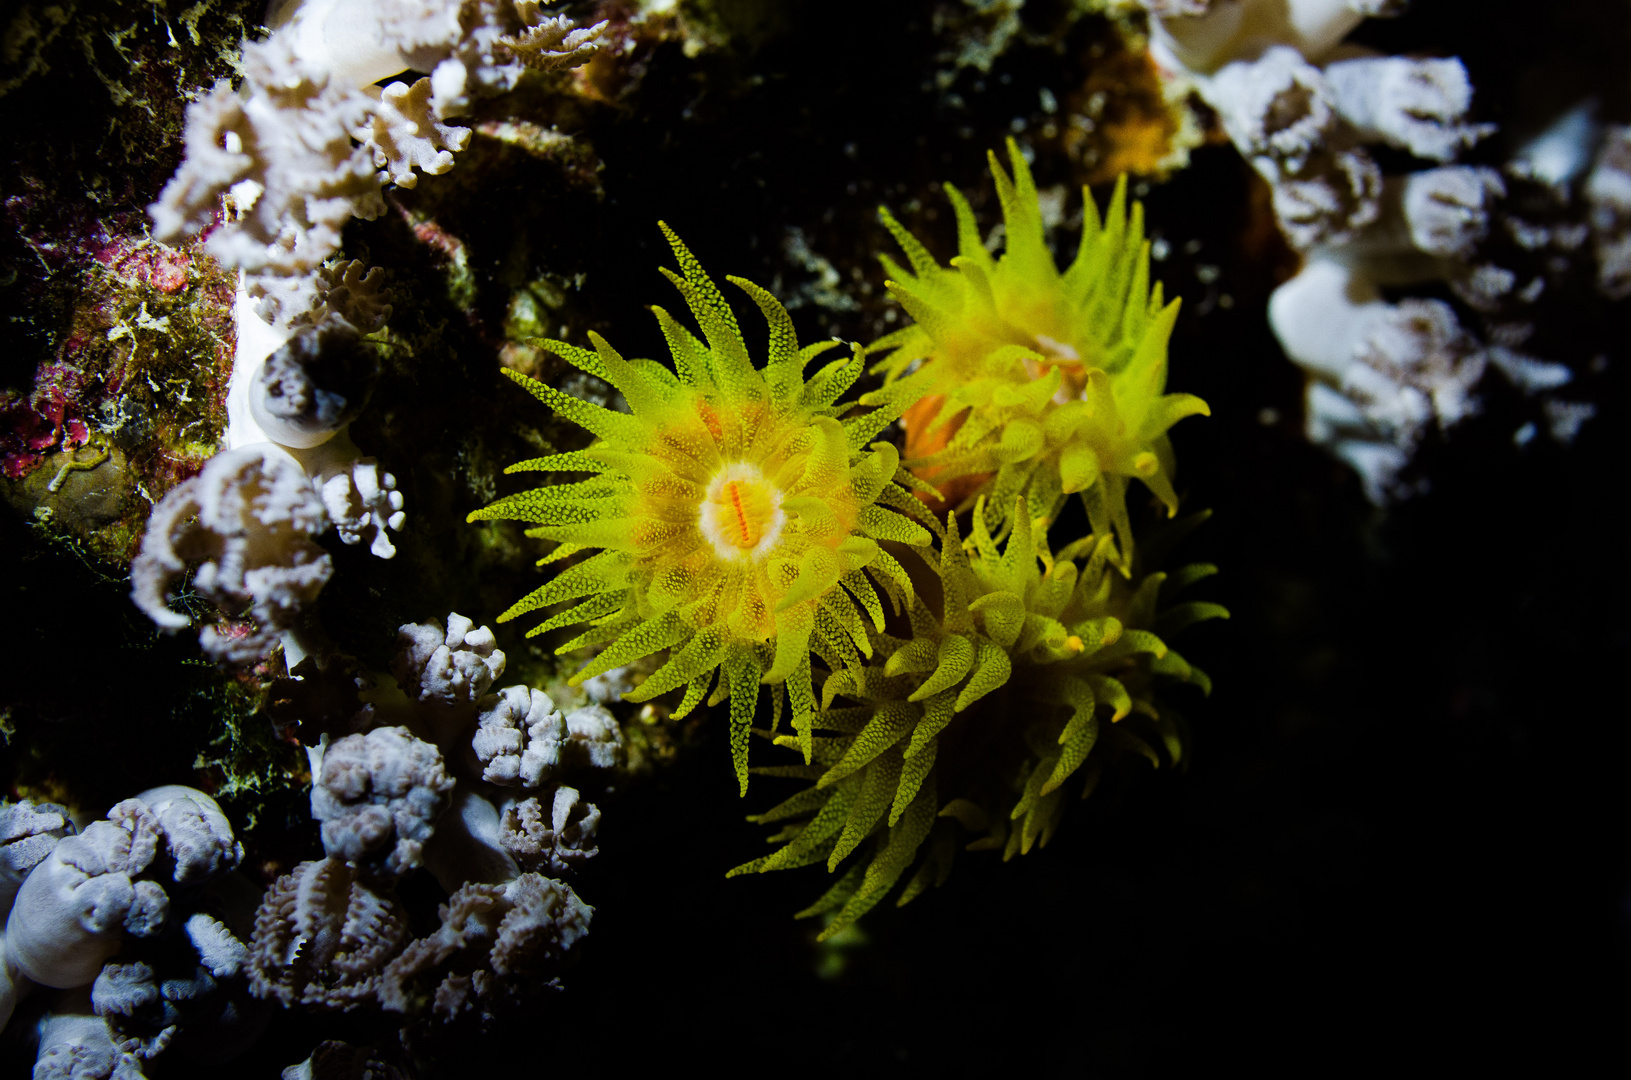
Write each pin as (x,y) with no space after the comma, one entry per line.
(734,511)
(378,797)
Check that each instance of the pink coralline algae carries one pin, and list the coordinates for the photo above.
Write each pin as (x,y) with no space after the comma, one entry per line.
(48,419)
(142,262)
(145,341)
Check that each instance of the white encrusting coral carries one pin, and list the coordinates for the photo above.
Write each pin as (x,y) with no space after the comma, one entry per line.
(1382,373)
(446,666)
(322,937)
(1608,193)
(522,739)
(303,145)
(248,522)
(556,840)
(378,796)
(76,906)
(1302,106)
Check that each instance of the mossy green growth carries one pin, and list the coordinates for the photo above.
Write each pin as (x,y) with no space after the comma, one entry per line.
(1035,668)
(735,519)
(1049,383)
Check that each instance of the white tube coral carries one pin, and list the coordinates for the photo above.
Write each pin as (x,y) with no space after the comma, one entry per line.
(322,938)
(491,936)
(469,844)
(1385,371)
(447,667)
(28,832)
(190,989)
(1416,105)
(1608,193)
(313,385)
(1301,110)
(75,1044)
(248,521)
(556,840)
(198,838)
(72,912)
(522,739)
(378,797)
(1203,35)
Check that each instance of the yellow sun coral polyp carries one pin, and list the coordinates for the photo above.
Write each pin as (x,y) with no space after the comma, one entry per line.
(1054,382)
(742,515)
(737,517)
(1038,668)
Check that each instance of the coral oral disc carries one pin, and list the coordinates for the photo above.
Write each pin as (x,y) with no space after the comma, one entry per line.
(741,515)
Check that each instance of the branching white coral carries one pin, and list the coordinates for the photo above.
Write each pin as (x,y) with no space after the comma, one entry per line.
(285,149)
(362,502)
(247,521)
(283,142)
(404,134)
(552,43)
(282,145)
